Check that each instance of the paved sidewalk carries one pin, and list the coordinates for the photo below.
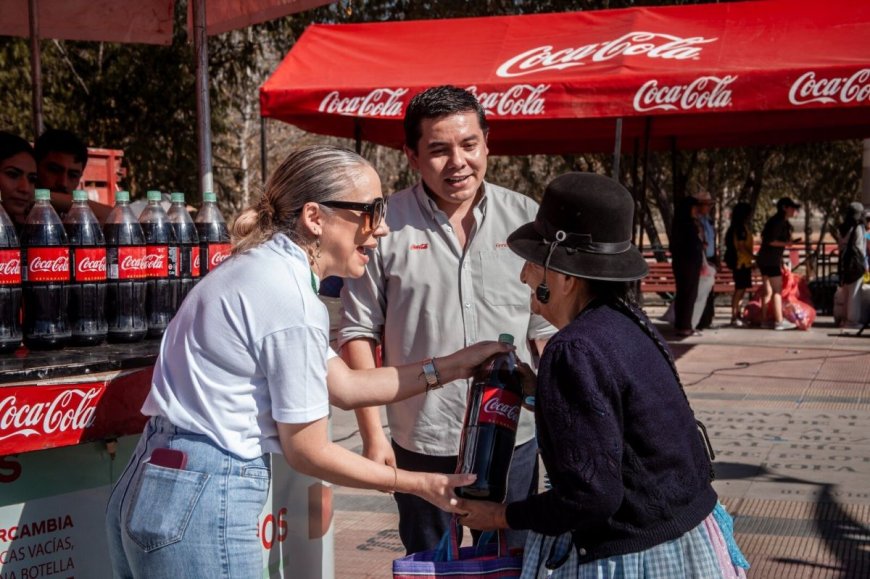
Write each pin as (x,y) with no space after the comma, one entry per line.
(789,417)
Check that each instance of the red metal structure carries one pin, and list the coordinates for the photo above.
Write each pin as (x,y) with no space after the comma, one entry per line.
(694,76)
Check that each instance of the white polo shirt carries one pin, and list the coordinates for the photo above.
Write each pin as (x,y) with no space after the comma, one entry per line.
(248,348)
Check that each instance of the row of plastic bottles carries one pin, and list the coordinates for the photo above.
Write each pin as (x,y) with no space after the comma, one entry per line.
(81,283)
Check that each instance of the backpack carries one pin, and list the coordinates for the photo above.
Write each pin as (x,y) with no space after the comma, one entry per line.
(730,257)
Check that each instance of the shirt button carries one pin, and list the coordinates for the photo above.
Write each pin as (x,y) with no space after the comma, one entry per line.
(448,228)
(467,305)
(581,552)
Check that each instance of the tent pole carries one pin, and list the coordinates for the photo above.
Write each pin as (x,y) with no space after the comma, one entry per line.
(203,109)
(865,180)
(35,70)
(617,148)
(264,161)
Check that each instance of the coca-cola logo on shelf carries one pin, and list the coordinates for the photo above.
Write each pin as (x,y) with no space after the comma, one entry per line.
(381,102)
(706,92)
(69,410)
(808,88)
(649,44)
(520,99)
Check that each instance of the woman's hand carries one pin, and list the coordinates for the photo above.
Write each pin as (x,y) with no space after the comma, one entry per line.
(462,363)
(438,489)
(482,515)
(530,385)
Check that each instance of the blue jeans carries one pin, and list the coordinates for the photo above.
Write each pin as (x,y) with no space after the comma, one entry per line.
(422,524)
(197,522)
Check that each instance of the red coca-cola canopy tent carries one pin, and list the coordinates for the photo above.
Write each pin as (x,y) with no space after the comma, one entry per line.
(698,76)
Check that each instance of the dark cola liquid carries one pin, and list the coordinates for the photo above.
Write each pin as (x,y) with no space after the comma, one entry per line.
(125,298)
(46,304)
(212,235)
(87,299)
(490,429)
(188,253)
(10,318)
(161,294)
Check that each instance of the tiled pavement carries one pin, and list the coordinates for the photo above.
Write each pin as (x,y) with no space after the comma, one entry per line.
(789,416)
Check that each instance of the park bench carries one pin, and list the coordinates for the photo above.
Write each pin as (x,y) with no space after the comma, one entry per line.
(661,279)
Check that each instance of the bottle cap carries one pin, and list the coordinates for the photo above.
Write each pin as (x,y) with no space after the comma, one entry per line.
(177,197)
(154,195)
(209,197)
(506,338)
(80,195)
(42,194)
(122,197)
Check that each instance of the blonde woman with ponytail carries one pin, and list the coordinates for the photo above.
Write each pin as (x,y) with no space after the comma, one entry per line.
(245,371)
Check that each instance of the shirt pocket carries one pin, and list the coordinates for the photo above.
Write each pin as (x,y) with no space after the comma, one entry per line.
(176,492)
(501,279)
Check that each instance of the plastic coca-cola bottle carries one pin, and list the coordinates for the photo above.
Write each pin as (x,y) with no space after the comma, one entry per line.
(87,291)
(45,268)
(490,429)
(214,237)
(10,285)
(161,249)
(127,273)
(188,245)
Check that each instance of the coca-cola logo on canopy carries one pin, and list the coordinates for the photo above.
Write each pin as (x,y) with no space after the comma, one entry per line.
(518,100)
(843,89)
(381,102)
(649,44)
(706,92)
(70,410)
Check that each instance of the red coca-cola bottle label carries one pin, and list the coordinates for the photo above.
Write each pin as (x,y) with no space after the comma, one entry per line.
(10,266)
(217,252)
(89,264)
(47,264)
(499,406)
(194,261)
(157,259)
(127,262)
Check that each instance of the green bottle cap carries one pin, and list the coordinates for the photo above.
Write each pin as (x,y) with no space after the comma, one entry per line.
(122,197)
(154,195)
(80,195)
(177,197)
(42,194)
(506,338)
(209,197)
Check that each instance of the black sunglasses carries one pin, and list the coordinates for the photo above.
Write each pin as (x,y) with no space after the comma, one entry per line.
(374,212)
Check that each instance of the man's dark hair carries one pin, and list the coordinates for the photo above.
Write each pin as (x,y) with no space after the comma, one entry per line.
(438,102)
(61,141)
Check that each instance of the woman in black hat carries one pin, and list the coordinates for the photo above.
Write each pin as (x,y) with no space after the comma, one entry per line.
(629,469)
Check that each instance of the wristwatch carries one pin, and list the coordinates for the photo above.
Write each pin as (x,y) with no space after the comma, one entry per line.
(430,372)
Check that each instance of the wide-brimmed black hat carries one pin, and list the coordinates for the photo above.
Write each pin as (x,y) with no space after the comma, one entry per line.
(584,223)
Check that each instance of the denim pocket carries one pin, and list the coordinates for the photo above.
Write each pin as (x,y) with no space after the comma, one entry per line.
(162,505)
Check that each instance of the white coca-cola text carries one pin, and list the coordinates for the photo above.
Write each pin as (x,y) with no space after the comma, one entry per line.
(381,102)
(706,92)
(195,262)
(89,265)
(650,44)
(72,409)
(154,261)
(844,89)
(58,264)
(131,262)
(216,258)
(496,406)
(520,99)
(10,267)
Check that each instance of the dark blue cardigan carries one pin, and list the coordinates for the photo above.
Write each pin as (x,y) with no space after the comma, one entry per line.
(628,467)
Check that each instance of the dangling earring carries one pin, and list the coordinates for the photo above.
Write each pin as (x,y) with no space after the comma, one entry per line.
(314,254)
(317,248)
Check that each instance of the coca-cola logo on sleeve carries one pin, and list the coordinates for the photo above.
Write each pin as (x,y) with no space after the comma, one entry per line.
(518,100)
(381,102)
(89,264)
(649,44)
(10,267)
(46,264)
(48,412)
(706,92)
(808,88)
(500,407)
